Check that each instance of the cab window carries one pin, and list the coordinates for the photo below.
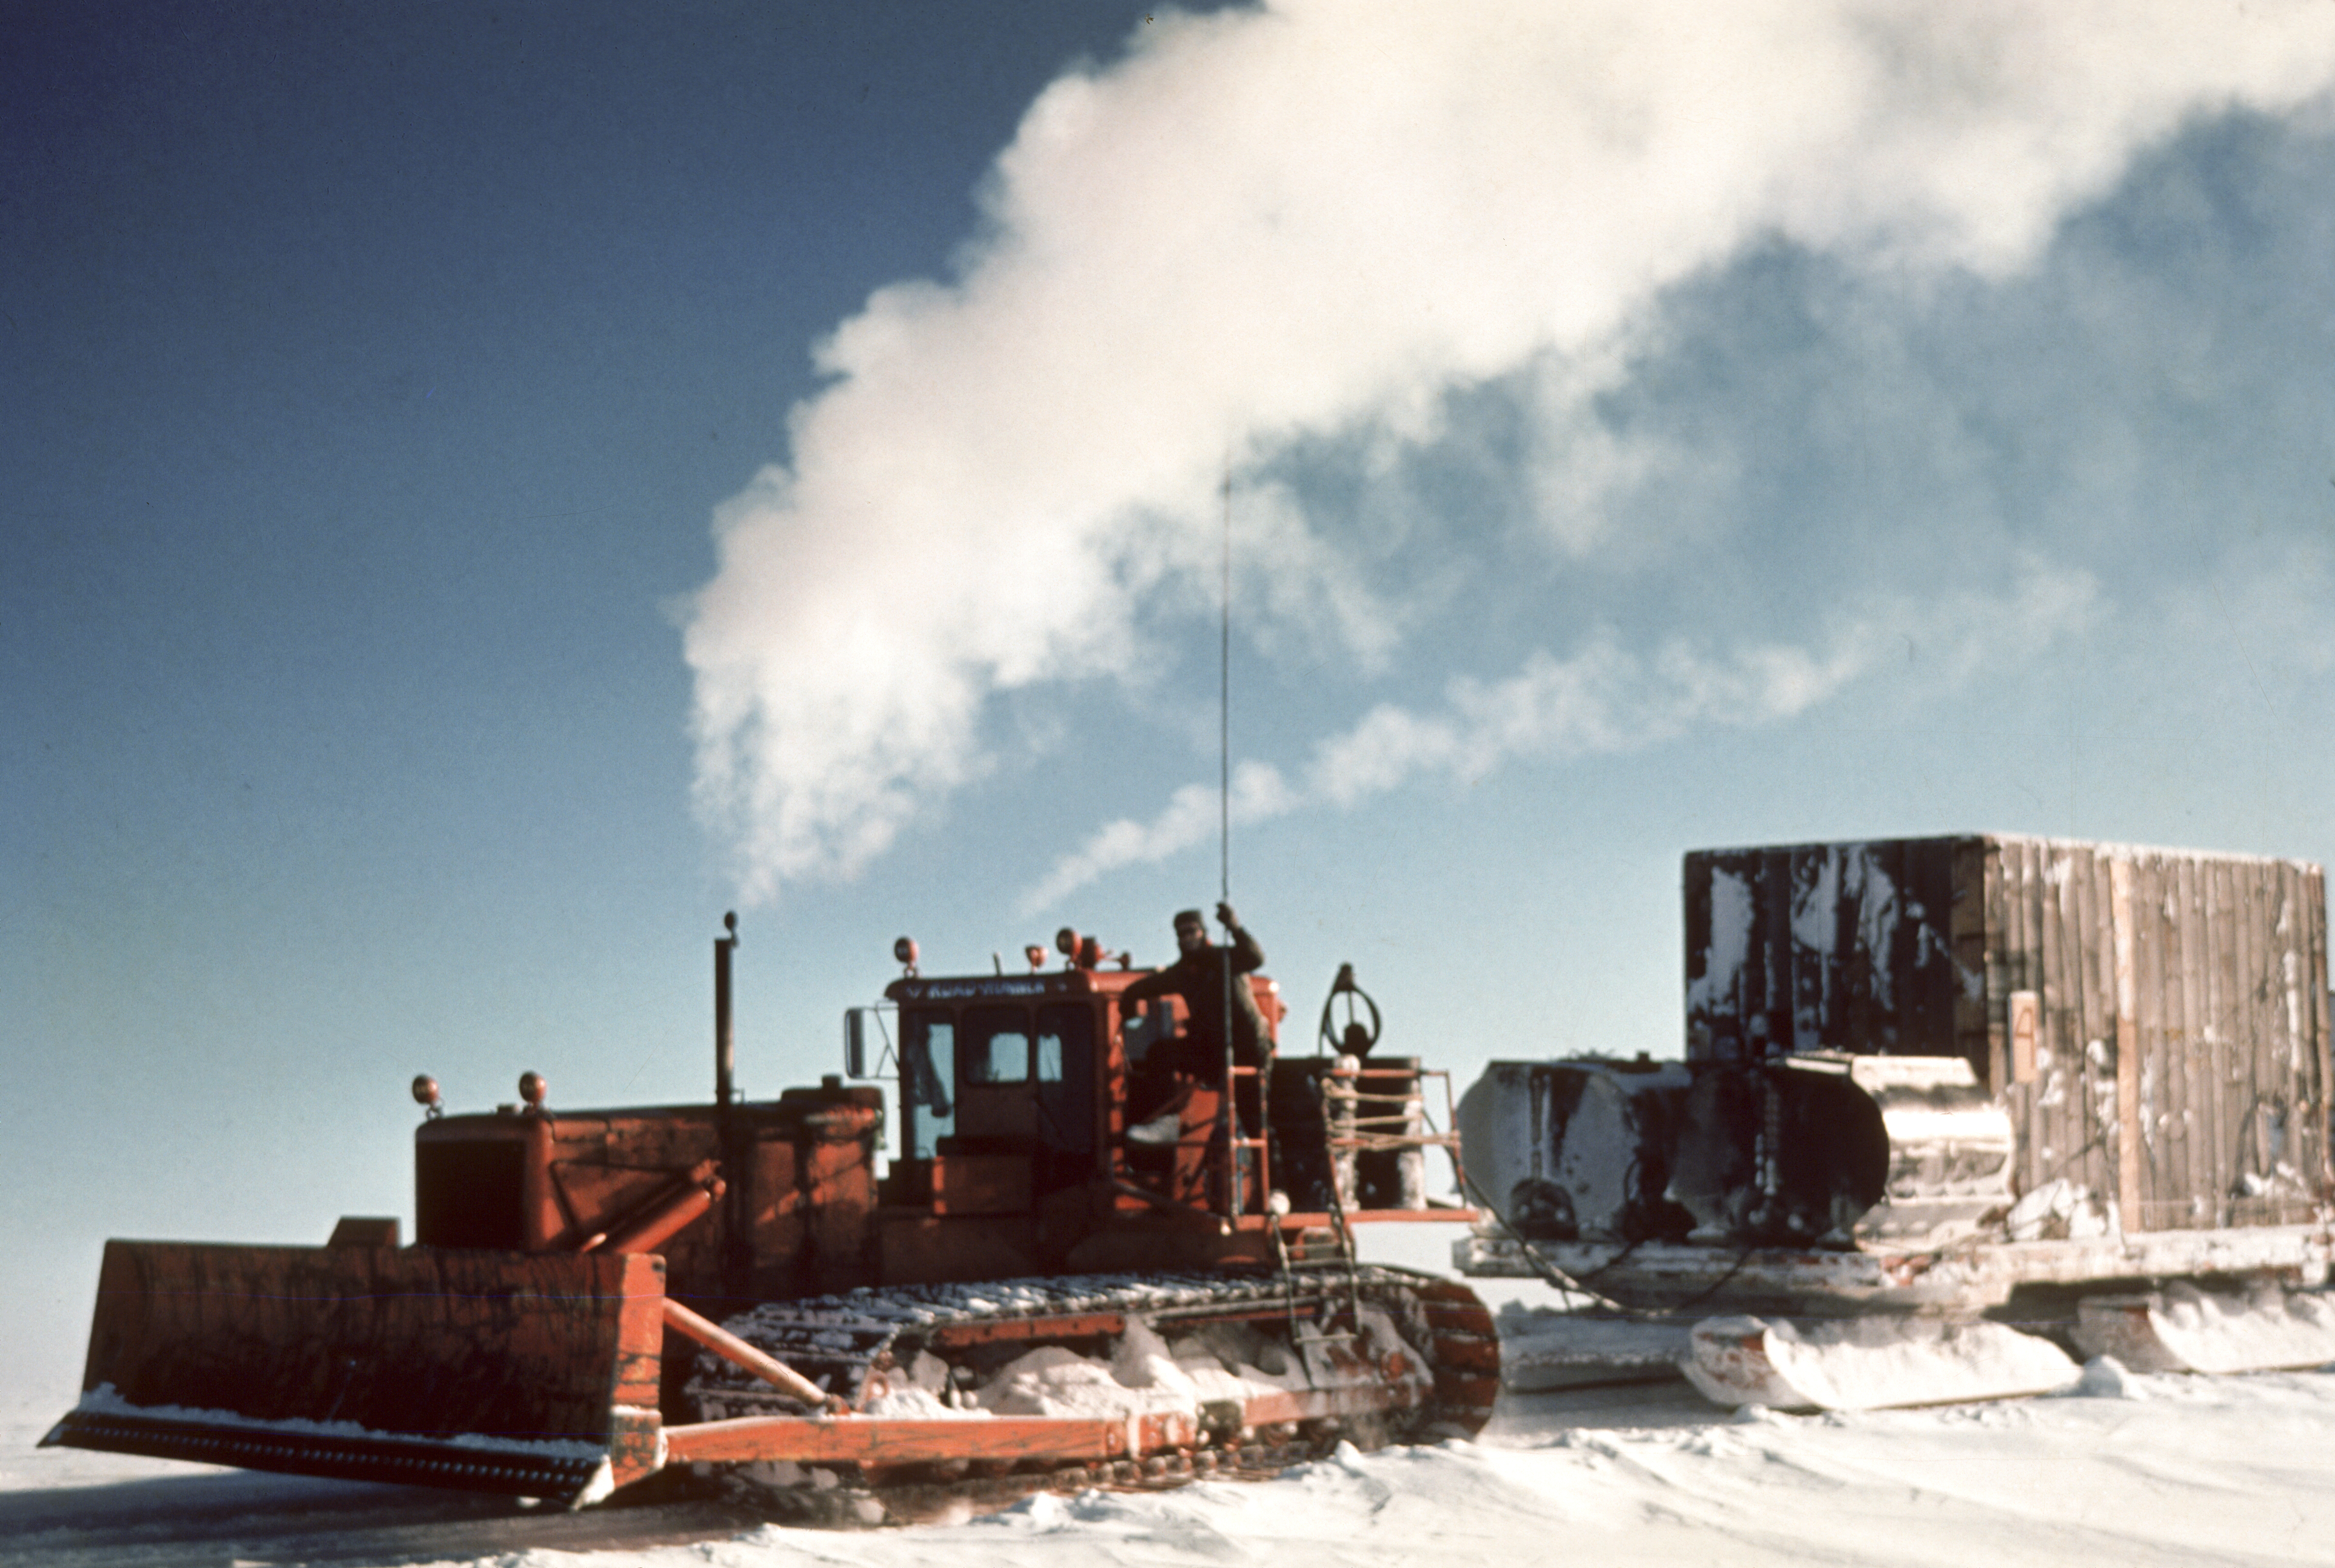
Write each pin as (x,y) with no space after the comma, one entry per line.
(927,1071)
(996,1046)
(1063,1034)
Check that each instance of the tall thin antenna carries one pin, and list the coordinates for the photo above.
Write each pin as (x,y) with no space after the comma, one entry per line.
(1228,1120)
(1225,709)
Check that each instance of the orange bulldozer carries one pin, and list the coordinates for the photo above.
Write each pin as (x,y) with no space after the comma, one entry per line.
(1031,1293)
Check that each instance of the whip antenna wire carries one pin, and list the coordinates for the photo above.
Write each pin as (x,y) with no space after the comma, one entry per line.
(1228,1116)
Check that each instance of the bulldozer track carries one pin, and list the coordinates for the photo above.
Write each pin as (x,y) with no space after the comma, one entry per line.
(847,1343)
(836,1340)
(848,1505)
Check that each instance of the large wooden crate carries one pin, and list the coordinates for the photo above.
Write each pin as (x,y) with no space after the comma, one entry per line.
(2049,965)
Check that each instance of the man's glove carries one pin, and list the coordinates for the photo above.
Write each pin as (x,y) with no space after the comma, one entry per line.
(1225,917)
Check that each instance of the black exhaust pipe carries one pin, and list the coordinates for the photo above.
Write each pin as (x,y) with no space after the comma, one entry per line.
(725,1038)
(737,1244)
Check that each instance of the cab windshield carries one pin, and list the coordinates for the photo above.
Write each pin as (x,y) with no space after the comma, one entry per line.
(997,1056)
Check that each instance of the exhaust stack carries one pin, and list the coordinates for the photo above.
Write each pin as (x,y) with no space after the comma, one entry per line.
(725,1038)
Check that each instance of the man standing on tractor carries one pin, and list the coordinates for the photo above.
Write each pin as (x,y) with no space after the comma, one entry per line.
(1199,976)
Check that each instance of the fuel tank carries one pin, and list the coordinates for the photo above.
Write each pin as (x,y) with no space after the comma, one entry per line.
(1577,1150)
(1815,1150)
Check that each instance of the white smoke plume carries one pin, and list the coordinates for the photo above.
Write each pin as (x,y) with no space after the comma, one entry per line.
(1603,700)
(1317,217)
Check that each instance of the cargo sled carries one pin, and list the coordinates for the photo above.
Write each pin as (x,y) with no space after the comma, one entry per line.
(1935,1092)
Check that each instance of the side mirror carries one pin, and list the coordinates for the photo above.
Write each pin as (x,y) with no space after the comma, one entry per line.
(855,1042)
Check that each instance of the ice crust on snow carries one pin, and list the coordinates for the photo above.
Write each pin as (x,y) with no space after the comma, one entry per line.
(2105,1377)
(2200,1470)
(2241,1473)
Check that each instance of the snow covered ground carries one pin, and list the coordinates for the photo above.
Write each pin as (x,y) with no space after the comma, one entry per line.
(2132,1470)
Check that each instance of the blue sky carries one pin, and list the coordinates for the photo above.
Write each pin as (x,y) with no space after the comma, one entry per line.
(1644,435)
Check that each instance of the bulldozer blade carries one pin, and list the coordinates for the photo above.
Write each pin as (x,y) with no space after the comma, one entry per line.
(532,1375)
(1868,1363)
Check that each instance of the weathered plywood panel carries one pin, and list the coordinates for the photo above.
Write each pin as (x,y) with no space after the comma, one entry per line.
(2256,1025)
(1972,888)
(2222,1020)
(2083,915)
(2054,1136)
(1824,947)
(2184,1045)
(2194,1059)
(2314,897)
(2158,1095)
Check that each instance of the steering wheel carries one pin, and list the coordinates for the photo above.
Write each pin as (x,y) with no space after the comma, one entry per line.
(1356,1038)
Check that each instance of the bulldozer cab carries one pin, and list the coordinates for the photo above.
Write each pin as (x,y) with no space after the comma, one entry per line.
(1017,1130)
(1002,1077)
(1013,1092)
